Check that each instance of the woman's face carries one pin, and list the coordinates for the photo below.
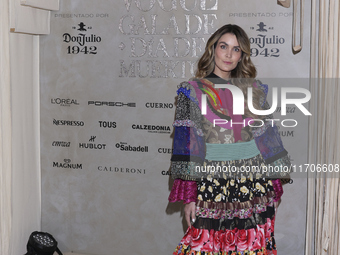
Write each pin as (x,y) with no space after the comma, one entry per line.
(227,55)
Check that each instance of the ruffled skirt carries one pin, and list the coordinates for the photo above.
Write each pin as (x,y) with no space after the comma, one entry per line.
(235,214)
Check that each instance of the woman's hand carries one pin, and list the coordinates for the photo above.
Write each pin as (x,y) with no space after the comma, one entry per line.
(189,212)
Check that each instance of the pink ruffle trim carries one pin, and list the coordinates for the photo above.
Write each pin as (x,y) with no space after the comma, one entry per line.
(278,189)
(258,240)
(183,190)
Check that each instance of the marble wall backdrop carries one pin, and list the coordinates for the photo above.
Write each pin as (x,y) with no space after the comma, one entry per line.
(109,72)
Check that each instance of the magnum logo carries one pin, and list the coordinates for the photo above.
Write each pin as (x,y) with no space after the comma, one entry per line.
(67,164)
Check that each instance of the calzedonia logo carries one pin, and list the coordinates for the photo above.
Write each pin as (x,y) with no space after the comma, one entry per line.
(152,128)
(67,164)
(64,101)
(126,147)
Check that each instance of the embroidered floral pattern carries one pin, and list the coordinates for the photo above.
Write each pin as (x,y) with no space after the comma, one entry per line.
(232,213)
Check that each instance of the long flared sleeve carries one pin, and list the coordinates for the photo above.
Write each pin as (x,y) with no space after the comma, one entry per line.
(269,143)
(182,190)
(188,145)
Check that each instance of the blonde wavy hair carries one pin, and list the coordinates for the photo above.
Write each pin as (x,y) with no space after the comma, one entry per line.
(245,72)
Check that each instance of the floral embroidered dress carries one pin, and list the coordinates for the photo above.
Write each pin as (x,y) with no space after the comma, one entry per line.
(218,165)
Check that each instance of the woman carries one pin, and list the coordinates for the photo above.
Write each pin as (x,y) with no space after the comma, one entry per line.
(218,157)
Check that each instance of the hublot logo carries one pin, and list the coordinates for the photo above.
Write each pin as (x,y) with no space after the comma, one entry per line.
(92,145)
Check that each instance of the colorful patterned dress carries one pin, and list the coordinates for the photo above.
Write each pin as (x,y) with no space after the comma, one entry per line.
(219,167)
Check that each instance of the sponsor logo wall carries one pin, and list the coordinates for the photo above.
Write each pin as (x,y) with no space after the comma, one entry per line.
(109,74)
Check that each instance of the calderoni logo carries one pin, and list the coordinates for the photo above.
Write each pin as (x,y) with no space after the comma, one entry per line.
(114,169)
(64,101)
(111,103)
(126,147)
(67,164)
(159,105)
(107,124)
(61,144)
(152,128)
(74,123)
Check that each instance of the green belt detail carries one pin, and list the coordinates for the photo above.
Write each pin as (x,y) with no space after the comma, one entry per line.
(231,151)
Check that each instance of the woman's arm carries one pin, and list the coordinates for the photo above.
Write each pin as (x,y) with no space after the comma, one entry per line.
(188,150)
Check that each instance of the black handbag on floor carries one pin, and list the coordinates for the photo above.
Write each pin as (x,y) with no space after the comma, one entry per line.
(41,243)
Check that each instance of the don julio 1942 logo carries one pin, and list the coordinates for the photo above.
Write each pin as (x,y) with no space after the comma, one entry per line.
(265,44)
(82,43)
